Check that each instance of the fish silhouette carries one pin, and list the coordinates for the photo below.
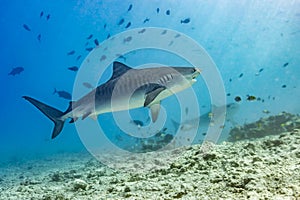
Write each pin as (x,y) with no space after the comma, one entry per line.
(185,21)
(39,37)
(16,70)
(71,53)
(96,42)
(78,57)
(89,37)
(130,7)
(74,68)
(26,27)
(63,94)
(128,25)
(121,21)
(89,49)
(87,85)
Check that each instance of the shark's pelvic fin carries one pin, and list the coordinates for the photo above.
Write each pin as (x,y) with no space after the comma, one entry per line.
(51,113)
(155,108)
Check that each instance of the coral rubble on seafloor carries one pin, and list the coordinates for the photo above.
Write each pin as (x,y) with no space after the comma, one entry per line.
(272,125)
(265,168)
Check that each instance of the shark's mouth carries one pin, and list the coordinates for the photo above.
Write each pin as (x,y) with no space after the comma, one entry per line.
(195,74)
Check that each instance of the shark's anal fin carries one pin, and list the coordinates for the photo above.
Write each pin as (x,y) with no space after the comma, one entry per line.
(151,95)
(86,115)
(155,108)
(74,119)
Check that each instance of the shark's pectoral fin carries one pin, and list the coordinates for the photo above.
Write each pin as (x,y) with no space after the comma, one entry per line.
(154,111)
(151,95)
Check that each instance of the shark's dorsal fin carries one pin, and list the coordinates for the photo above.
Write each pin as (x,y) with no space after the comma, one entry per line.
(119,69)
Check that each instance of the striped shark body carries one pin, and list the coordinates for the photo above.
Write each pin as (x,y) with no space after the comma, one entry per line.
(128,88)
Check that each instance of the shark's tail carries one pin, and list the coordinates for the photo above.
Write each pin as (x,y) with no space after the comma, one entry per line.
(51,113)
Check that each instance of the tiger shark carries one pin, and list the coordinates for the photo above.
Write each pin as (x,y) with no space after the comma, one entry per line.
(128,88)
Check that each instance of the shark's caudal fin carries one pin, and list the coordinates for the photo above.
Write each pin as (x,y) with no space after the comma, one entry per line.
(51,113)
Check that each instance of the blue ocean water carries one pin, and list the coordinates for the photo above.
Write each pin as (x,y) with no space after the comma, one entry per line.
(254,44)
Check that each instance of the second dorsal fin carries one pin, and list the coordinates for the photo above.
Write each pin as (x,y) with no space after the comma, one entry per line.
(69,109)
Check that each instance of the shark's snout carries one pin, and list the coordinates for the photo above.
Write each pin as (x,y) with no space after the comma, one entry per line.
(196,73)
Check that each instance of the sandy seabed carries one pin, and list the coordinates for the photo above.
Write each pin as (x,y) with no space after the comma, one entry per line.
(265,168)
